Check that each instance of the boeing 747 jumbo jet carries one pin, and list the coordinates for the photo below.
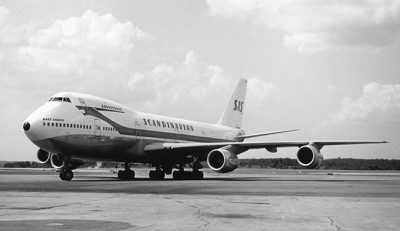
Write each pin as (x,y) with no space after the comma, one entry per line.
(72,127)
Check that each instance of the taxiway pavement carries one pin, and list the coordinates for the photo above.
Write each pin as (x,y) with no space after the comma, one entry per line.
(246,200)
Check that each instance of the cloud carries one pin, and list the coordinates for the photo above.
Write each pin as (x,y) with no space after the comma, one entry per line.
(4,12)
(91,31)
(376,98)
(76,45)
(313,25)
(258,90)
(192,89)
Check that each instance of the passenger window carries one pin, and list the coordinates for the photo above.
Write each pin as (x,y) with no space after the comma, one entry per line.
(44,123)
(64,125)
(48,124)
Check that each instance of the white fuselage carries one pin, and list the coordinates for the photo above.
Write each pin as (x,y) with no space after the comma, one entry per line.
(88,127)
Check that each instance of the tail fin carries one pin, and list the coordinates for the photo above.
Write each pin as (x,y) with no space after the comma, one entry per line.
(233,113)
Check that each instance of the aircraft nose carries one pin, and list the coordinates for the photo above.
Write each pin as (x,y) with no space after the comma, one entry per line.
(26,126)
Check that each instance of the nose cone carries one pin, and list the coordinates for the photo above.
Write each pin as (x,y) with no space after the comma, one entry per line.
(33,125)
(26,126)
(32,129)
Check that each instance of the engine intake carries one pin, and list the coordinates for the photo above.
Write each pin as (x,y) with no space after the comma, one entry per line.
(56,161)
(43,156)
(223,161)
(309,156)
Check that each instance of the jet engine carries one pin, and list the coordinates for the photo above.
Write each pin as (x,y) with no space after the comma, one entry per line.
(57,161)
(309,156)
(222,160)
(43,156)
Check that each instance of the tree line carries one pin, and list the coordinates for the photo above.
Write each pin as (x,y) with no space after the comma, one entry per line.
(276,163)
(338,163)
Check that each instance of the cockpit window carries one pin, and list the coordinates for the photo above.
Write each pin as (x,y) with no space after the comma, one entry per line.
(51,99)
(60,99)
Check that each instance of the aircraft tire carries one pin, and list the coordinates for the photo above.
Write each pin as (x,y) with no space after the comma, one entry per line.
(177,175)
(198,175)
(131,175)
(121,174)
(157,175)
(66,174)
(186,175)
(126,175)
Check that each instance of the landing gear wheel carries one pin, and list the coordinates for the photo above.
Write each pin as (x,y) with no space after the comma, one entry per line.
(66,174)
(157,175)
(198,175)
(126,175)
(185,175)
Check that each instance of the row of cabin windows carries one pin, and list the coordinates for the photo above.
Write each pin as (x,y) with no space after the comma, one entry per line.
(109,129)
(60,99)
(111,108)
(64,125)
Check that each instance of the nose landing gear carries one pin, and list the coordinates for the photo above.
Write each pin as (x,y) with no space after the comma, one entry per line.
(66,174)
(65,170)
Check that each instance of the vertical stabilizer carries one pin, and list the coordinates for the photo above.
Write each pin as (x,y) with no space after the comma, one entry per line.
(233,113)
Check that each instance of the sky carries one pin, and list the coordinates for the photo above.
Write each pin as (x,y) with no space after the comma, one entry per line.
(328,68)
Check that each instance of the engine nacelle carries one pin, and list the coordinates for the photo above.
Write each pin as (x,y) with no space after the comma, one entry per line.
(42,156)
(223,161)
(56,161)
(309,156)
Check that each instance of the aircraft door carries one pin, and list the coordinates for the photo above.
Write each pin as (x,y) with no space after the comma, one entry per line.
(176,134)
(97,127)
(138,131)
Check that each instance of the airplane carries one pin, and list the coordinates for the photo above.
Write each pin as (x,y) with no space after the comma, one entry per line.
(73,127)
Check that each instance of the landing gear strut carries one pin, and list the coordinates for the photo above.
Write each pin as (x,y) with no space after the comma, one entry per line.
(158,174)
(126,174)
(65,171)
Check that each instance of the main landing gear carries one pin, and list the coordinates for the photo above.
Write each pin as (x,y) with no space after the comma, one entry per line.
(189,175)
(126,174)
(158,174)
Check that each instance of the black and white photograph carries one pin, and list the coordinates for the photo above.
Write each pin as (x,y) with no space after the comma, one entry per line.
(200,115)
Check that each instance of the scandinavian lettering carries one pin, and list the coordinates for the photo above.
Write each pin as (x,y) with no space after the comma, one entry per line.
(166,124)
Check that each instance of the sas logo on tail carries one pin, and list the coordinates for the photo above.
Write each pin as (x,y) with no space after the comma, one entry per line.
(238,106)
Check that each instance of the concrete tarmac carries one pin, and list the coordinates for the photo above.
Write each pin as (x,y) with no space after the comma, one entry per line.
(255,199)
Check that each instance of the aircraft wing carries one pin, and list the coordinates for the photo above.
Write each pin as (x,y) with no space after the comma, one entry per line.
(270,146)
